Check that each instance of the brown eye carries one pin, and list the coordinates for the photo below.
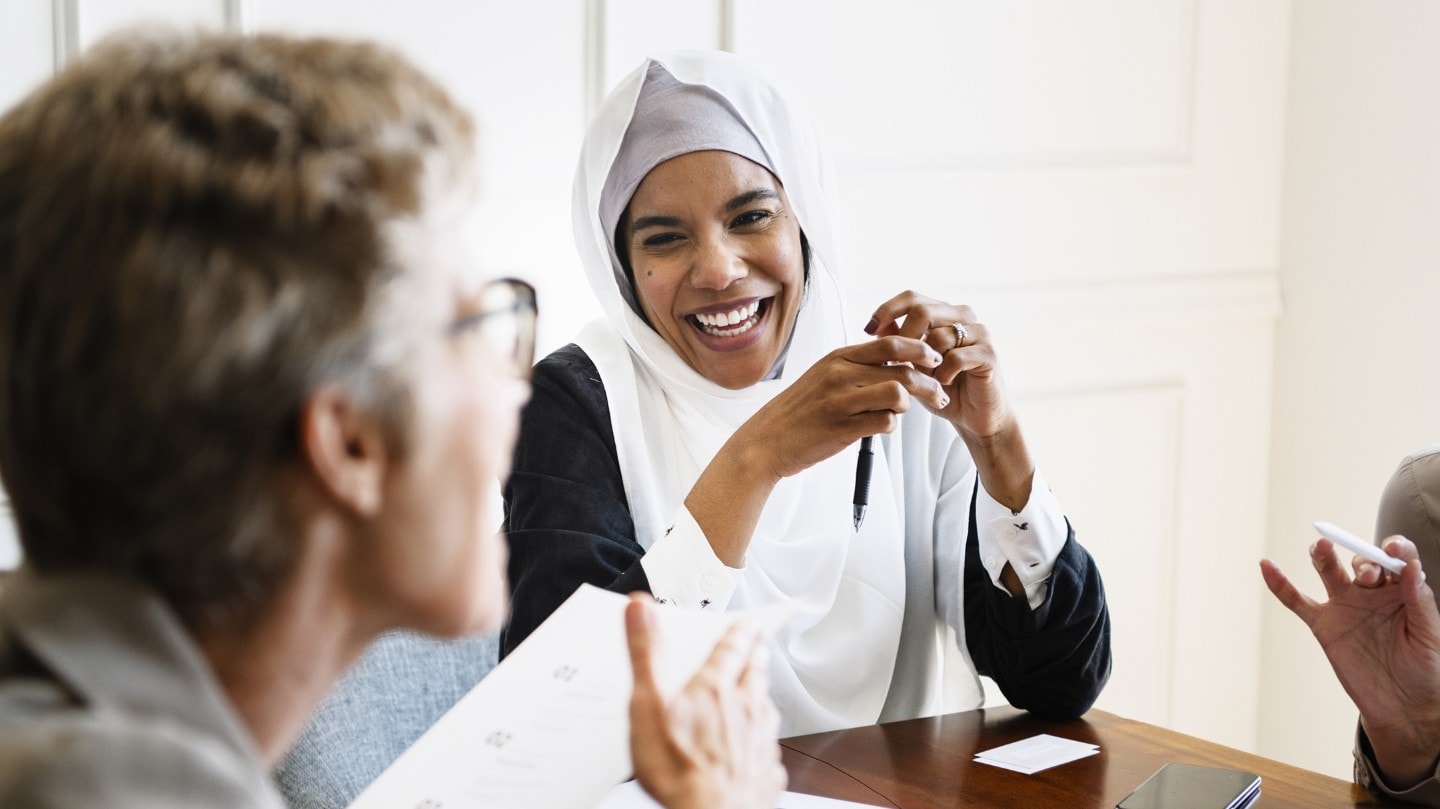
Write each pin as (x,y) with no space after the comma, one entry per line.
(660,240)
(750,218)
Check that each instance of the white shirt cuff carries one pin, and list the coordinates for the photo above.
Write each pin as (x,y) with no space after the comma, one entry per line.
(1030,539)
(684,570)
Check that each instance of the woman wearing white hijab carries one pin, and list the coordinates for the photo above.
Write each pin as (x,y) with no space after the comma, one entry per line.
(693,443)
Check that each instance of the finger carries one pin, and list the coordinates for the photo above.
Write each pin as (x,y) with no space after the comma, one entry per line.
(959,361)
(781,776)
(640,633)
(872,422)
(1419,598)
(892,350)
(911,314)
(1367,574)
(727,660)
(950,336)
(1304,607)
(755,686)
(930,316)
(1327,564)
(884,320)
(915,383)
(755,677)
(1400,548)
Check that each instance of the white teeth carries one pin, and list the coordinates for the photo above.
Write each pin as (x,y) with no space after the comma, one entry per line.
(731,323)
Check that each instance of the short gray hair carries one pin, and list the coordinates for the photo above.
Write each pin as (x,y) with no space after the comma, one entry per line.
(191,239)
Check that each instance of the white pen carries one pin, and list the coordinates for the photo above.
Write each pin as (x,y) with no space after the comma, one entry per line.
(1340,536)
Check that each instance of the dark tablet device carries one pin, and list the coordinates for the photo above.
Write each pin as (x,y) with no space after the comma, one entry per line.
(1186,786)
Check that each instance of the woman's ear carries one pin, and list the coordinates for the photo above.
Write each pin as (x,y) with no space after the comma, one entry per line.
(343,445)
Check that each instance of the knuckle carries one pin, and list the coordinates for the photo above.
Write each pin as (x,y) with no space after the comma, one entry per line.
(711,690)
(894,345)
(895,394)
(889,422)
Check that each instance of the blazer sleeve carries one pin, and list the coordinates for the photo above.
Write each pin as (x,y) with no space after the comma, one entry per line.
(1052,660)
(567,519)
(1367,774)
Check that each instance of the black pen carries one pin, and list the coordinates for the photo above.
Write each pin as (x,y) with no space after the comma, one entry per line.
(862,479)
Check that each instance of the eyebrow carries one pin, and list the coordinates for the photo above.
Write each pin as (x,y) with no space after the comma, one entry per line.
(740,201)
(748,197)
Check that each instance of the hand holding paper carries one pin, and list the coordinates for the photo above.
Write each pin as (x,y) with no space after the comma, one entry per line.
(549,725)
(713,744)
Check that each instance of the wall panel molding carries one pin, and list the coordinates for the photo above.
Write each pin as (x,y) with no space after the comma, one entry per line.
(1128,517)
(1106,304)
(1164,299)
(594,79)
(66,31)
(233,14)
(1057,130)
(727,25)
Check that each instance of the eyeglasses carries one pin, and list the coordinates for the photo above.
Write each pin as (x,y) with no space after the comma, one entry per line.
(506,318)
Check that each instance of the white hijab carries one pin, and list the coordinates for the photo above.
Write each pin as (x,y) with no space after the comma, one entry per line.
(835,660)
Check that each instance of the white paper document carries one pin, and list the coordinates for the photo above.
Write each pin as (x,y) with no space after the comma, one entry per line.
(629,795)
(550,725)
(1036,753)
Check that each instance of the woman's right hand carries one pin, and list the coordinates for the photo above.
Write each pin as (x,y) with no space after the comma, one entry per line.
(850,393)
(713,745)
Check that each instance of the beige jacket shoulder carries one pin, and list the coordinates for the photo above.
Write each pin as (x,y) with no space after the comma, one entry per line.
(105,701)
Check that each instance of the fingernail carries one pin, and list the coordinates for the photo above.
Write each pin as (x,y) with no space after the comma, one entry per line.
(944,400)
(872,326)
(933,356)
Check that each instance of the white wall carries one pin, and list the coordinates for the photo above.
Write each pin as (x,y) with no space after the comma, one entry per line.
(1356,383)
(1102,181)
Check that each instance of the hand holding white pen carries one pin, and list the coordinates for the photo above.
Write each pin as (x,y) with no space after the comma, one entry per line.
(1381,634)
(1356,545)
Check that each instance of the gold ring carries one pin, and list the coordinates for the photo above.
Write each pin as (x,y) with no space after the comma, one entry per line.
(960,334)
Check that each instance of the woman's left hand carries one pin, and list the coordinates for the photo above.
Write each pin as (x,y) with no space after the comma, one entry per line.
(978,406)
(969,371)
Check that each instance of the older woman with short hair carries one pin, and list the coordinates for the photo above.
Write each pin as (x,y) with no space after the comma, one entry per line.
(252,393)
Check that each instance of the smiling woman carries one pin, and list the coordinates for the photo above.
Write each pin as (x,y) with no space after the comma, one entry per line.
(693,444)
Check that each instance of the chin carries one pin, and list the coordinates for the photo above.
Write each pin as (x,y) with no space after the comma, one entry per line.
(491,617)
(737,378)
(485,615)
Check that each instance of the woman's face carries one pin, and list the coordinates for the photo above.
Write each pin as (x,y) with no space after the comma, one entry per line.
(437,563)
(718,267)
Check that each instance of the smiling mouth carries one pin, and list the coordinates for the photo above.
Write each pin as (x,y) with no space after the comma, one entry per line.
(731,323)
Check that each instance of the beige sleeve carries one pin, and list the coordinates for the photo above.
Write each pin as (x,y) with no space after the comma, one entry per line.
(1410,507)
(1367,774)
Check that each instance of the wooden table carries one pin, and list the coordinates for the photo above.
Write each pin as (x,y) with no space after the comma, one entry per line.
(929,762)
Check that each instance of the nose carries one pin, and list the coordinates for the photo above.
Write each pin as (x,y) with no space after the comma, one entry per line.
(717,264)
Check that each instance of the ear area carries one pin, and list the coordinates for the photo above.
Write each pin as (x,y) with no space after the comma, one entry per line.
(343,445)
